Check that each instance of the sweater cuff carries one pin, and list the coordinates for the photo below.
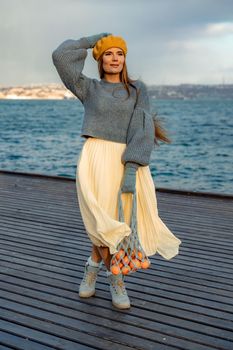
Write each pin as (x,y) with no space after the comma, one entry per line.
(132,165)
(85,44)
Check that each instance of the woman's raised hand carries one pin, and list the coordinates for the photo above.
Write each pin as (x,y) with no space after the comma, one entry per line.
(94,38)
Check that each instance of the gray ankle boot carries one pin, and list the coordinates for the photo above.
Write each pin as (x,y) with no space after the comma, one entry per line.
(87,286)
(120,298)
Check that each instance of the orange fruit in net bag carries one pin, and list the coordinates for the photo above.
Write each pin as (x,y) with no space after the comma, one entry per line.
(115,270)
(120,254)
(126,260)
(133,254)
(113,261)
(145,264)
(135,264)
(121,265)
(140,255)
(125,270)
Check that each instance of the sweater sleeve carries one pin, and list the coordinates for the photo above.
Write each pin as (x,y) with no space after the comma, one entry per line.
(140,135)
(69,58)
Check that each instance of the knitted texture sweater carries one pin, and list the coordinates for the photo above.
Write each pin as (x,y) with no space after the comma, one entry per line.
(108,111)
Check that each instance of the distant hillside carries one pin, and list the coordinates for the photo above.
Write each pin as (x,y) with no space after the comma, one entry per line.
(191,91)
(59,91)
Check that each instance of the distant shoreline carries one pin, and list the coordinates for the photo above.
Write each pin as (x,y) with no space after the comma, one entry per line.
(36,91)
(55,91)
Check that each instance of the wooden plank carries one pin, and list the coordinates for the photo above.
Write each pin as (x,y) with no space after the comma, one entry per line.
(196,297)
(50,246)
(191,246)
(3,347)
(82,321)
(80,238)
(221,258)
(164,294)
(69,261)
(73,305)
(43,177)
(224,263)
(75,331)
(63,207)
(18,342)
(185,303)
(160,272)
(179,269)
(18,328)
(170,207)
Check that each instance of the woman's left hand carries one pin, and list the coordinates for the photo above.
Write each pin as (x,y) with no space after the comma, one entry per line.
(129,180)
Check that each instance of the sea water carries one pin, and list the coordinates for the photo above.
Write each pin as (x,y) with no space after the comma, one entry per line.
(43,136)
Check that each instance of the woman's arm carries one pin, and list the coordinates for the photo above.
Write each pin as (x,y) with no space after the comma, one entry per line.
(140,138)
(69,58)
(140,141)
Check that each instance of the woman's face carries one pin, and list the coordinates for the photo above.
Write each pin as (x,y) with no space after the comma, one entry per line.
(113,60)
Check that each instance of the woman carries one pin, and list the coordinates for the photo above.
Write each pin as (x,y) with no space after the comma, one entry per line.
(114,156)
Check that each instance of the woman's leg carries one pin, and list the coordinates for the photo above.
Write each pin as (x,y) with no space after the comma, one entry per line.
(106,256)
(92,267)
(101,253)
(95,255)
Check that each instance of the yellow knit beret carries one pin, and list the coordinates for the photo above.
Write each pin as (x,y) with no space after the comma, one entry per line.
(106,43)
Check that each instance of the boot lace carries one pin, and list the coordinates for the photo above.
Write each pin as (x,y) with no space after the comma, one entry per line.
(90,277)
(119,287)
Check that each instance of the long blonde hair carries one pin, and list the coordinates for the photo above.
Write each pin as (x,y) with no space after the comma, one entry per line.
(160,132)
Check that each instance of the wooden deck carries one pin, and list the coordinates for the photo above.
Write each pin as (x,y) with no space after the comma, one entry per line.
(184,303)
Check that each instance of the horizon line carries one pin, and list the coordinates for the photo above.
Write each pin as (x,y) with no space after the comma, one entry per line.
(153,84)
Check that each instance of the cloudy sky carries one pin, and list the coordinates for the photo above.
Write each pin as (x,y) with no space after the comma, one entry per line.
(169,41)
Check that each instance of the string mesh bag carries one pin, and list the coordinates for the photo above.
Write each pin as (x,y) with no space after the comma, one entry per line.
(130,256)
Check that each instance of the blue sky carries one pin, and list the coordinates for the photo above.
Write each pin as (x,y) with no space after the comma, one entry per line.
(169,41)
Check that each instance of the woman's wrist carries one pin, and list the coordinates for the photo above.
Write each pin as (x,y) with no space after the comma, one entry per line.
(132,165)
(92,39)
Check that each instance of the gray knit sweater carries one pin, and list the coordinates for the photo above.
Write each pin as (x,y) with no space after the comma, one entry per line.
(108,112)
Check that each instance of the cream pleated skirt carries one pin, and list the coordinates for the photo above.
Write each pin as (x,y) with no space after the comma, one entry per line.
(98,179)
